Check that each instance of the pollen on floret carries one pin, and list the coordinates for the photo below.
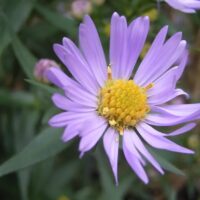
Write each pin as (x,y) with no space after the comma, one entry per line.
(123,103)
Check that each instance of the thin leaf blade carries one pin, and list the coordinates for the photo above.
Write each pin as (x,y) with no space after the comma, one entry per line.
(43,146)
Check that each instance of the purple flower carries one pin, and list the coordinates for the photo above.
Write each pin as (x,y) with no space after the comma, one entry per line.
(187,6)
(117,101)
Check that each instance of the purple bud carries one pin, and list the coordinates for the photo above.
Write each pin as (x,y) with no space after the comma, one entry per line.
(41,66)
(81,7)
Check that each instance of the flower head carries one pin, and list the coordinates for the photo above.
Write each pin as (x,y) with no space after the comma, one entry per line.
(115,100)
(187,6)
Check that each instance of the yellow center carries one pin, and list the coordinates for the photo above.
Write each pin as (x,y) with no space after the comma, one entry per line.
(123,103)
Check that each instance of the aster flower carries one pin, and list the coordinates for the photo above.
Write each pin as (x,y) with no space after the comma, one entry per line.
(187,6)
(118,102)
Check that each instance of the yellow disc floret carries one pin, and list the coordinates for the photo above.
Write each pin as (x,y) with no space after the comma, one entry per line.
(123,103)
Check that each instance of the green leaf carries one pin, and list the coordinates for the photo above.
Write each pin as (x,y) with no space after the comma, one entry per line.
(166,164)
(5,34)
(41,175)
(17,12)
(12,16)
(43,146)
(62,176)
(16,98)
(42,86)
(63,23)
(24,178)
(25,57)
(24,125)
(106,177)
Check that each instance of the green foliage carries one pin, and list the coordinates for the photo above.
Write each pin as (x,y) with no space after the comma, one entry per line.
(56,19)
(25,58)
(38,150)
(34,163)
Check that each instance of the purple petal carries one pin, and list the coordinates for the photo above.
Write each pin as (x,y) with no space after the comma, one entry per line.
(58,77)
(59,120)
(65,104)
(118,45)
(161,142)
(73,49)
(161,120)
(70,132)
(164,59)
(126,44)
(111,145)
(177,110)
(128,141)
(151,55)
(89,139)
(168,96)
(164,84)
(92,50)
(185,6)
(137,34)
(182,64)
(60,101)
(167,60)
(81,96)
(135,164)
(178,131)
(76,67)
(87,126)
(77,54)
(166,119)
(64,118)
(135,142)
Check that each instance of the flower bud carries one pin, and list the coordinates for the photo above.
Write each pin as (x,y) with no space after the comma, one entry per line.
(41,66)
(81,7)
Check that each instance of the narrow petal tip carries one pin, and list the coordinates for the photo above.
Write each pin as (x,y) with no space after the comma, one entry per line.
(55,47)
(51,122)
(116,183)
(166,27)
(146,18)
(115,14)
(81,155)
(65,40)
(86,18)
(189,151)
(146,180)
(162,172)
(179,34)
(192,125)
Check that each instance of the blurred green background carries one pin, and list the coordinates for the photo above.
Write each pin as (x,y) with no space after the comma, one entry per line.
(35,164)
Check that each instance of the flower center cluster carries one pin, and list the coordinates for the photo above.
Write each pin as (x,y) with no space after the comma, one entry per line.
(123,103)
